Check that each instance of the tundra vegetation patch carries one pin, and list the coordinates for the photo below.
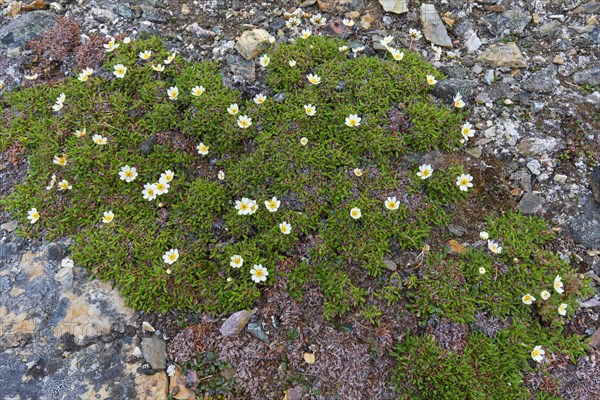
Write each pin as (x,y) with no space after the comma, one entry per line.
(192,198)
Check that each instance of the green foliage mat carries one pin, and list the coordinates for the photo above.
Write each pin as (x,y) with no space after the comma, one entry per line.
(317,187)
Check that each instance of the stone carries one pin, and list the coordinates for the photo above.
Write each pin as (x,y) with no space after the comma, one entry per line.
(530,203)
(53,252)
(594,180)
(548,28)
(366,21)
(533,146)
(542,81)
(26,27)
(235,323)
(146,327)
(200,32)
(558,59)
(185,9)
(454,71)
(154,350)
(65,277)
(177,387)
(456,248)
(389,264)
(152,387)
(588,8)
(447,89)
(559,178)
(241,67)
(147,146)
(124,11)
(595,339)
(394,6)
(456,230)
(588,76)
(295,393)
(256,330)
(9,226)
(534,166)
(341,5)
(252,43)
(433,27)
(13,53)
(516,20)
(474,151)
(503,55)
(473,43)
(309,358)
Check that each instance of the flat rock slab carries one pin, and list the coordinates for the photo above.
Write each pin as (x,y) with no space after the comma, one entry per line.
(252,43)
(26,27)
(503,55)
(154,350)
(394,6)
(530,203)
(433,27)
(585,226)
(587,76)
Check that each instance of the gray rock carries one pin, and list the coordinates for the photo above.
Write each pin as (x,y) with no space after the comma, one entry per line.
(200,32)
(295,393)
(595,36)
(454,71)
(54,252)
(147,146)
(503,55)
(534,146)
(252,43)
(13,53)
(588,76)
(256,330)
(124,10)
(474,151)
(279,97)
(489,76)
(543,81)
(559,178)
(447,89)
(530,203)
(433,27)
(534,166)
(277,24)
(473,43)
(241,67)
(9,226)
(6,250)
(456,230)
(235,323)
(154,350)
(394,6)
(594,180)
(389,264)
(26,27)
(548,28)
(524,178)
(516,20)
(65,277)
(591,7)
(585,226)
(477,69)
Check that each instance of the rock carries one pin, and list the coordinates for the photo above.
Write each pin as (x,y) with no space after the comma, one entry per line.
(473,43)
(341,5)
(53,252)
(588,76)
(154,350)
(543,81)
(447,89)
(558,59)
(9,226)
(389,264)
(241,67)
(489,76)
(146,327)
(558,178)
(235,323)
(503,55)
(456,230)
(65,277)
(256,330)
(456,248)
(252,43)
(433,27)
(594,340)
(26,27)
(309,358)
(177,387)
(454,71)
(295,393)
(185,9)
(366,21)
(200,32)
(530,203)
(548,28)
(474,151)
(534,167)
(152,387)
(534,146)
(394,6)
(588,8)
(124,11)
(594,180)
(147,146)
(13,52)
(516,20)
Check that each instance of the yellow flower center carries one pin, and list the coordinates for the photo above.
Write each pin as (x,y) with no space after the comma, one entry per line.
(172,257)
(258,273)
(536,353)
(244,207)
(36,215)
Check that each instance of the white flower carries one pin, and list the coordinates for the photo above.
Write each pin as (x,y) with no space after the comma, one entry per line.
(233,109)
(431,80)
(83,77)
(310,109)
(99,139)
(318,20)
(292,63)
(253,207)
(120,71)
(285,228)
(259,98)
(57,107)
(202,149)
(538,354)
(458,101)
(52,182)
(158,68)
(170,59)
(484,235)
(221,175)
(171,256)
(355,213)
(127,40)
(357,50)
(528,299)
(314,79)
(259,273)
(358,172)
(437,51)
(111,45)
(80,132)
(197,91)
(173,92)
(264,60)
(149,192)
(62,160)
(481,270)
(244,206)
(293,22)
(343,49)
(385,42)
(415,34)
(562,309)
(305,34)
(494,247)
(273,204)
(467,131)
(397,54)
(244,121)
(31,77)
(425,171)
(145,55)
(162,187)
(391,203)
(304,141)
(128,174)
(236,261)
(558,284)
(353,120)
(33,215)
(464,182)
(64,185)
(545,295)
(167,176)
(107,217)
(348,22)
